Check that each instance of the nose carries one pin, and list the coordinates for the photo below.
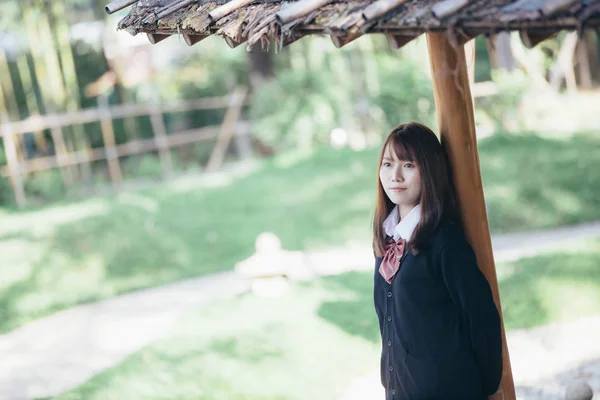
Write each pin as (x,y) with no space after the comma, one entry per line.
(397,177)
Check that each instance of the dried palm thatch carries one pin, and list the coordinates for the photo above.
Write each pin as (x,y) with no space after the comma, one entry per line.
(282,22)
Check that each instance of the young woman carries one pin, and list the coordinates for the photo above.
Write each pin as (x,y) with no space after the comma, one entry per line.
(440,329)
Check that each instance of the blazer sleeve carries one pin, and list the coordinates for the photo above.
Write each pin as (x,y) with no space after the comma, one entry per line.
(471,292)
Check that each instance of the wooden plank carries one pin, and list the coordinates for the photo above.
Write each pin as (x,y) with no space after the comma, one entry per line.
(341,41)
(108,136)
(160,133)
(227,128)
(398,41)
(13,166)
(457,130)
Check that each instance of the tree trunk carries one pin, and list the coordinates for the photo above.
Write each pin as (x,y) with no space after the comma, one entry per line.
(261,71)
(501,54)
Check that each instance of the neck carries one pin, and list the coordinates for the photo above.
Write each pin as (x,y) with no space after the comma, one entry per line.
(404,209)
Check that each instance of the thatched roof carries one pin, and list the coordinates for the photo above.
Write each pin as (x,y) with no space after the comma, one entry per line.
(282,22)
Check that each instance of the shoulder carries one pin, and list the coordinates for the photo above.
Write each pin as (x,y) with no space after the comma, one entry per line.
(449,234)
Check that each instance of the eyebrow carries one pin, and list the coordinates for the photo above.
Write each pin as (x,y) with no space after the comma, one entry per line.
(387,158)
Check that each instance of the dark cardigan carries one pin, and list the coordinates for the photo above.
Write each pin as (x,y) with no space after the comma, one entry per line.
(440,329)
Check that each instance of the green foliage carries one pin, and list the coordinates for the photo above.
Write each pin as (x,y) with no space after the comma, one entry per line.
(504,108)
(359,90)
(44,186)
(145,166)
(7,197)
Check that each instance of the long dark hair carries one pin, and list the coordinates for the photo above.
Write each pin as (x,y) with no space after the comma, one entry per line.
(417,143)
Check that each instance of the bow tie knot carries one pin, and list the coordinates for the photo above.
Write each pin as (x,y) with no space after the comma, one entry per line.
(391,259)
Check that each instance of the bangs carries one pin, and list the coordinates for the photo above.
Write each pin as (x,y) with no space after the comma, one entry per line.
(401,148)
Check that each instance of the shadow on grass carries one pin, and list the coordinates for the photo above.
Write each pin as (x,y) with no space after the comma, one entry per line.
(356,315)
(538,290)
(531,182)
(550,288)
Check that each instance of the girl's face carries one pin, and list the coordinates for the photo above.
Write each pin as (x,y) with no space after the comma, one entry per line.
(401,181)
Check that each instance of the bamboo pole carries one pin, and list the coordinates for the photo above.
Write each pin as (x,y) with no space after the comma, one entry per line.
(298,10)
(31,102)
(227,128)
(457,129)
(118,5)
(69,71)
(447,7)
(173,7)
(381,7)
(227,9)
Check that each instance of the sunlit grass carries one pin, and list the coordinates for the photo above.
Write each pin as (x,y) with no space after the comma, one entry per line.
(68,254)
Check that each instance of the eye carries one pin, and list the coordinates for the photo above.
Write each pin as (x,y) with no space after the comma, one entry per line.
(386,164)
(409,165)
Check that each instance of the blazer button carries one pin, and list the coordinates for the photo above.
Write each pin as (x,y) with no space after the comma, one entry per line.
(394,392)
(389,318)
(389,343)
(391,368)
(389,294)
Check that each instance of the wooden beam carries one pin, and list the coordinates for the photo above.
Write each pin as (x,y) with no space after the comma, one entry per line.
(531,38)
(191,40)
(298,10)
(155,37)
(398,41)
(341,41)
(232,42)
(457,130)
(227,9)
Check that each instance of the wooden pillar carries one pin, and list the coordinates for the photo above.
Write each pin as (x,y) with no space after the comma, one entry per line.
(457,130)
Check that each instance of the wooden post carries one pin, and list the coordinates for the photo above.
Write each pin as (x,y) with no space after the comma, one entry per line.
(108,136)
(62,156)
(160,138)
(227,128)
(13,165)
(457,130)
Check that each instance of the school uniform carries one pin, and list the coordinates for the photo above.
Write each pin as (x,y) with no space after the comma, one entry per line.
(440,329)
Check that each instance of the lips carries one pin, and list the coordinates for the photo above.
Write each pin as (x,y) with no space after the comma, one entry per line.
(397,189)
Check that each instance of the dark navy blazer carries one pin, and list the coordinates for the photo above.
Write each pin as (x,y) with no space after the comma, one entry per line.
(440,329)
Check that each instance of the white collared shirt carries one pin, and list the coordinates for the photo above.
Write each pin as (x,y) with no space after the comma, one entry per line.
(393,227)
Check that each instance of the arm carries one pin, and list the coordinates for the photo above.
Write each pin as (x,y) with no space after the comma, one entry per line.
(470,291)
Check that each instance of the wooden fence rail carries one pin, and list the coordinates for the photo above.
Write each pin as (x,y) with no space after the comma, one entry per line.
(112,152)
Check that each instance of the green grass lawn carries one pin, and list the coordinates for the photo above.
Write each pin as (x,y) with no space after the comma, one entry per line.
(67,254)
(317,339)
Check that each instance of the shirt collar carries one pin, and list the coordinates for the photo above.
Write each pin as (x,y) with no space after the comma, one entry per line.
(405,228)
